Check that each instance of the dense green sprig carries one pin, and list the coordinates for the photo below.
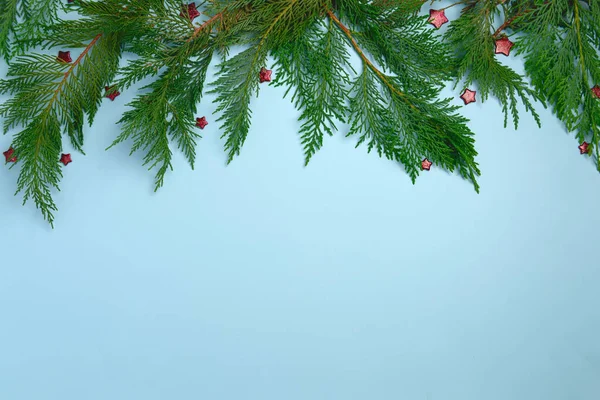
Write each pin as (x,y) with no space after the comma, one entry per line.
(472,36)
(561,42)
(50,98)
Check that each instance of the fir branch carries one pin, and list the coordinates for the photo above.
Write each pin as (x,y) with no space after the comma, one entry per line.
(37,18)
(471,37)
(315,66)
(237,81)
(48,96)
(561,55)
(167,110)
(416,127)
(8,22)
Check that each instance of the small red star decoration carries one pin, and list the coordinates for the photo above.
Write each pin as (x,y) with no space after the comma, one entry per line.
(64,56)
(503,46)
(65,158)
(265,75)
(437,18)
(468,96)
(426,164)
(596,91)
(113,94)
(192,12)
(201,122)
(8,154)
(583,148)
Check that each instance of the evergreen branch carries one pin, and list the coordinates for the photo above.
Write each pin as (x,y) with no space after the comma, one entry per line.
(237,80)
(366,61)
(311,66)
(416,127)
(167,111)
(8,21)
(50,95)
(470,36)
(560,56)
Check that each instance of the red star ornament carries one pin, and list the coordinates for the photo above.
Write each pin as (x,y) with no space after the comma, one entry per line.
(9,155)
(265,75)
(64,56)
(468,96)
(596,91)
(201,122)
(192,11)
(503,46)
(65,158)
(583,148)
(437,18)
(426,164)
(113,95)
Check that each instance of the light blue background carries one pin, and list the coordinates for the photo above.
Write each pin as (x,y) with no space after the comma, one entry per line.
(267,280)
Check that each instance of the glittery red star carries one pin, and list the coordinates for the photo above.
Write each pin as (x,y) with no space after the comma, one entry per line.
(64,56)
(596,91)
(583,148)
(8,154)
(201,122)
(113,94)
(468,96)
(265,75)
(437,17)
(65,158)
(503,46)
(426,164)
(192,12)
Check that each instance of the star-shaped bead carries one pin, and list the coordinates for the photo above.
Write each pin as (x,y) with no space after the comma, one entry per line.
(65,158)
(596,91)
(426,164)
(201,122)
(503,46)
(9,155)
(64,56)
(583,148)
(437,18)
(468,96)
(113,94)
(192,12)
(264,75)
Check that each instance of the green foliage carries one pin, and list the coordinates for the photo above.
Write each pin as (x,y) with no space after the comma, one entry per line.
(391,105)
(24,22)
(277,23)
(473,39)
(560,42)
(314,65)
(9,11)
(52,97)
(167,110)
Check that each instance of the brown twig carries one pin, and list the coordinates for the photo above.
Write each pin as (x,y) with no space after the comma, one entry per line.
(205,24)
(345,29)
(510,21)
(70,70)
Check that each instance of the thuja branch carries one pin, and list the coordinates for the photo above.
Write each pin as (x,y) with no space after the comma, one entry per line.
(77,62)
(512,19)
(52,95)
(405,127)
(364,58)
